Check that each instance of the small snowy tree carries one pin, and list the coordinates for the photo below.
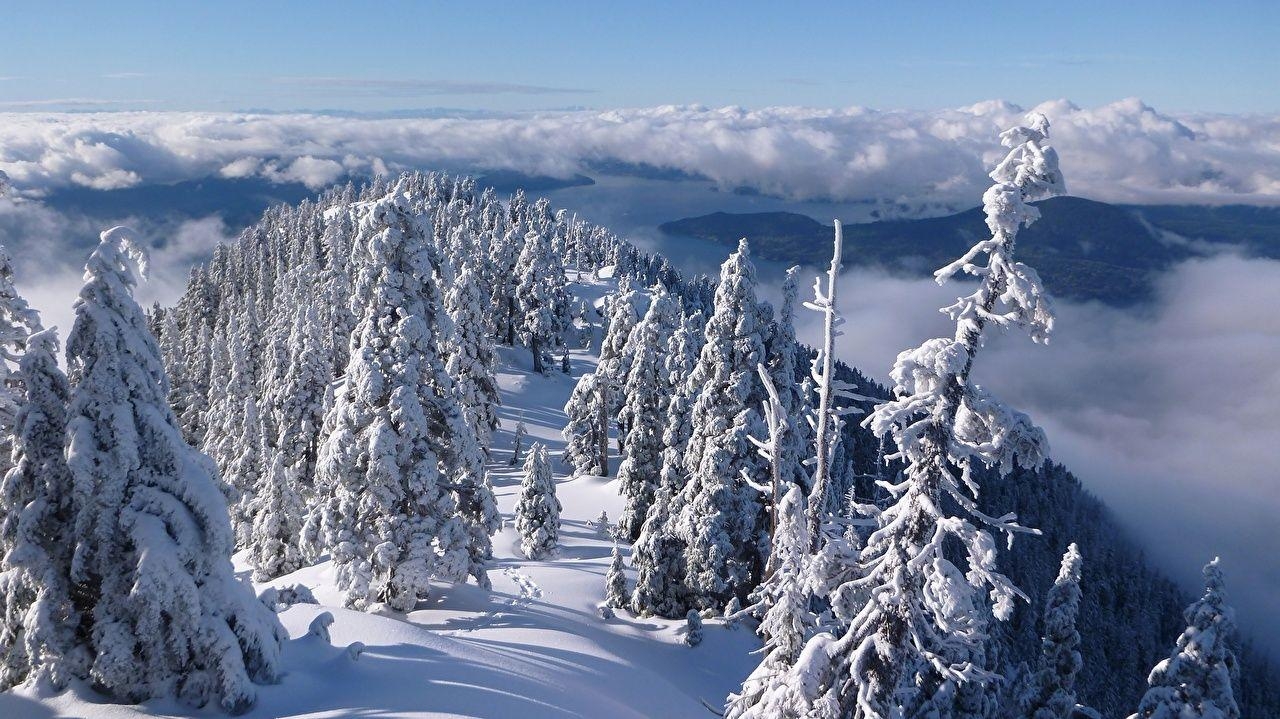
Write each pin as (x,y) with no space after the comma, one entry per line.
(275,517)
(1195,681)
(1054,684)
(693,628)
(37,619)
(615,582)
(164,612)
(538,510)
(586,435)
(540,296)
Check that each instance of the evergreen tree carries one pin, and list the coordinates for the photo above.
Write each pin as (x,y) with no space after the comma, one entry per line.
(538,510)
(718,511)
(658,556)
(540,297)
(161,608)
(299,402)
(37,620)
(645,410)
(615,582)
(586,448)
(275,518)
(387,517)
(1054,684)
(787,620)
(1195,681)
(471,358)
(782,372)
(17,322)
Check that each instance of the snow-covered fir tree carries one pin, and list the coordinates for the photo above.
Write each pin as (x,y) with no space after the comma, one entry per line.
(387,517)
(540,297)
(37,619)
(471,357)
(1053,686)
(646,399)
(586,435)
(612,368)
(718,517)
(615,582)
(161,609)
(275,518)
(538,509)
(914,622)
(1195,682)
(17,322)
(787,620)
(658,556)
(781,352)
(298,403)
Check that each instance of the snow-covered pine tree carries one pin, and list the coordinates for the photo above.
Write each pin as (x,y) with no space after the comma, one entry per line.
(471,357)
(646,400)
(781,352)
(540,297)
(17,322)
(538,510)
(1195,681)
(298,404)
(786,622)
(623,317)
(37,620)
(615,582)
(658,555)
(162,610)
(914,621)
(586,436)
(230,433)
(387,517)
(1053,686)
(719,513)
(275,518)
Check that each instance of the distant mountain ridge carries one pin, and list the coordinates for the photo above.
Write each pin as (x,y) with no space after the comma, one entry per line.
(1083,249)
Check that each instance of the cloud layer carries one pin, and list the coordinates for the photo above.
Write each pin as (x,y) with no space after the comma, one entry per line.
(1125,151)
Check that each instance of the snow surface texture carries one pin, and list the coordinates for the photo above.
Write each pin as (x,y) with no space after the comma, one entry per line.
(1125,151)
(534,647)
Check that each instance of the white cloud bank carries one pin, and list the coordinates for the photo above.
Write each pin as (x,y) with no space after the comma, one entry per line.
(1123,152)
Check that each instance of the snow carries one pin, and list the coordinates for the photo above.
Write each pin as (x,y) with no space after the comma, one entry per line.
(533,647)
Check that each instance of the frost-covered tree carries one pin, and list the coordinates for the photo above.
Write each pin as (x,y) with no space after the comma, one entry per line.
(538,510)
(388,518)
(913,621)
(17,322)
(781,352)
(471,357)
(275,516)
(718,511)
(615,582)
(623,317)
(586,435)
(786,622)
(1195,681)
(645,406)
(298,403)
(37,620)
(658,558)
(162,610)
(1054,685)
(693,628)
(540,296)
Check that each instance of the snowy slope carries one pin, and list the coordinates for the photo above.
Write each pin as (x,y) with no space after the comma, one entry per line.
(533,647)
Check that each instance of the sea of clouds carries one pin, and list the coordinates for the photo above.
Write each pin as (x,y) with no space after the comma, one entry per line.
(1122,152)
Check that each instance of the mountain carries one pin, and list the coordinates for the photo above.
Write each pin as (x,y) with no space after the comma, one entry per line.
(1083,250)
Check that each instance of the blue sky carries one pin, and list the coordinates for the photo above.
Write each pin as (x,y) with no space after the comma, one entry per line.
(1178,56)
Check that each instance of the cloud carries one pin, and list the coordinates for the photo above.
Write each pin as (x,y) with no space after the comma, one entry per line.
(1168,415)
(1123,152)
(422,88)
(61,102)
(124,75)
